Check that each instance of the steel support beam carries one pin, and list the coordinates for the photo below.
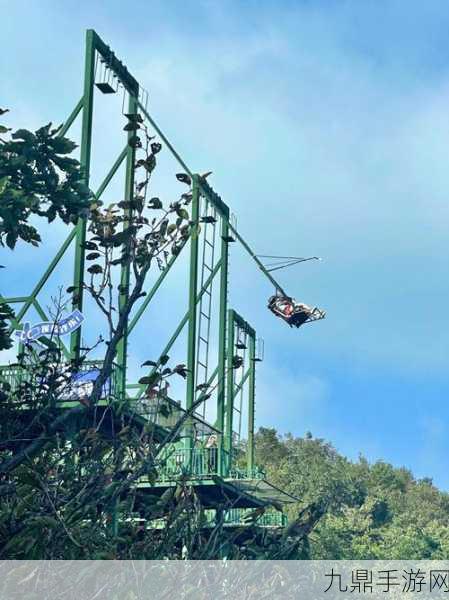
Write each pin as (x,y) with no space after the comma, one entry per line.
(235,320)
(193,287)
(14,299)
(228,441)
(251,404)
(206,191)
(122,345)
(69,122)
(223,307)
(154,289)
(51,267)
(43,280)
(86,144)
(182,323)
(111,173)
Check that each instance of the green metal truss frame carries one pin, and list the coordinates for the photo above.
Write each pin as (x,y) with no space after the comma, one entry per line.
(200,189)
(235,321)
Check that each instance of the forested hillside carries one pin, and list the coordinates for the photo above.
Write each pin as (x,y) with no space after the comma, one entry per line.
(372,511)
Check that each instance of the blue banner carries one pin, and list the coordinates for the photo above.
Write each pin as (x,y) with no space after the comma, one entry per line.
(50,329)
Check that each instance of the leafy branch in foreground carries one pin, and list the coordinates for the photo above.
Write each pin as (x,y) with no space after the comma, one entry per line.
(78,461)
(37,177)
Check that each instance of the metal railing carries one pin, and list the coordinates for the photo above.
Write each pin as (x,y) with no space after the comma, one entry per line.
(76,388)
(200,463)
(247,516)
(195,462)
(234,517)
(161,411)
(244,473)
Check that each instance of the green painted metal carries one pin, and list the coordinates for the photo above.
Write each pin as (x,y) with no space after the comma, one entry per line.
(15,374)
(244,326)
(197,458)
(259,264)
(193,287)
(93,44)
(182,323)
(85,153)
(55,261)
(236,517)
(125,269)
(236,323)
(125,77)
(240,385)
(69,122)
(112,172)
(251,403)
(230,392)
(196,462)
(14,299)
(164,139)
(40,310)
(43,280)
(212,197)
(153,290)
(221,388)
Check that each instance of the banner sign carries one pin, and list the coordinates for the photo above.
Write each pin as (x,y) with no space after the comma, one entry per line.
(82,384)
(30,334)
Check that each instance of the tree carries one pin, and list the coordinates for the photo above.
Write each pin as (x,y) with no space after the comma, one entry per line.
(38,178)
(371,511)
(70,478)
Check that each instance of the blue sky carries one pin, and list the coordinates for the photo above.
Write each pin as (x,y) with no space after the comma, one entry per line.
(326,125)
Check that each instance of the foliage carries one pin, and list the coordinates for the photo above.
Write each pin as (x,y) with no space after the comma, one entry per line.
(38,178)
(372,511)
(6,314)
(77,482)
(77,468)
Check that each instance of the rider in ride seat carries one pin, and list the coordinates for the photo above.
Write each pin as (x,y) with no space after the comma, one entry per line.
(293,312)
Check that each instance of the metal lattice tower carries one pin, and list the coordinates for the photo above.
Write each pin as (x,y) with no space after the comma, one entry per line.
(208,249)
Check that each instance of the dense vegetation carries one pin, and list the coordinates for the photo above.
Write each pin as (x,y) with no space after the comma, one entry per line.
(373,511)
(68,481)
(70,476)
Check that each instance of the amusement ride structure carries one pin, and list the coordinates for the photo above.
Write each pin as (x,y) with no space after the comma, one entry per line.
(206,452)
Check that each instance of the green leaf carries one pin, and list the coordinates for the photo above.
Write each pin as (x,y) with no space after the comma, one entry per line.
(11,239)
(155,203)
(3,184)
(150,379)
(149,363)
(89,246)
(134,142)
(182,213)
(95,269)
(63,145)
(23,134)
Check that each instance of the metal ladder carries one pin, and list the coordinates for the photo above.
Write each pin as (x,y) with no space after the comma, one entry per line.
(241,337)
(205,304)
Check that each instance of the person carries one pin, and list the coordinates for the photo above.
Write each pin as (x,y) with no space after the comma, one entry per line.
(211,452)
(301,314)
(293,312)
